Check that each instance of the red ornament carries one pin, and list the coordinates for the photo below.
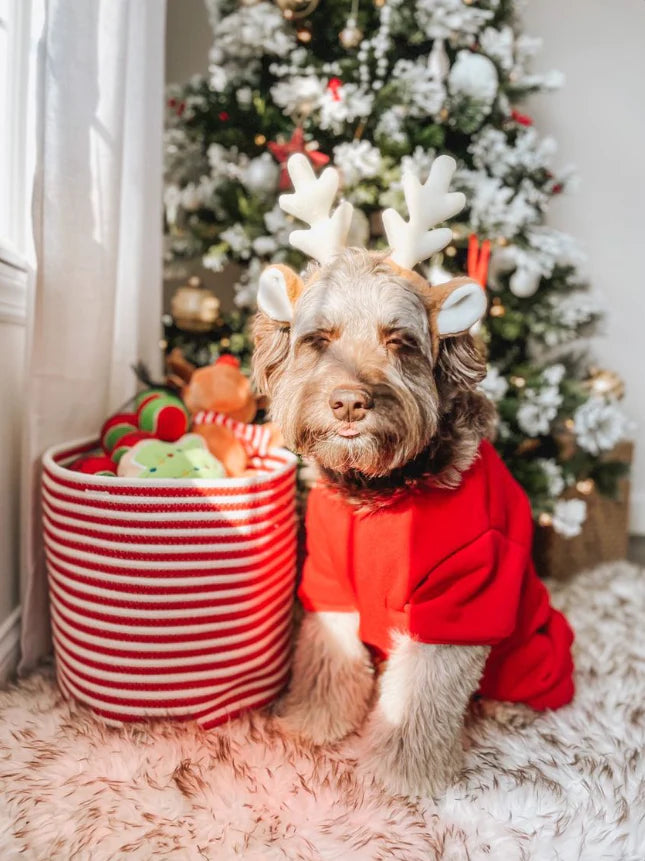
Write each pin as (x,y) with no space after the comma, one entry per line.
(334,85)
(223,115)
(557,188)
(282,151)
(478,259)
(522,119)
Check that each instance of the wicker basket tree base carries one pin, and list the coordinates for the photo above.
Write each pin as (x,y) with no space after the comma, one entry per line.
(604,535)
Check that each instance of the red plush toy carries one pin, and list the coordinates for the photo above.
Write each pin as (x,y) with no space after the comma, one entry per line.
(94,465)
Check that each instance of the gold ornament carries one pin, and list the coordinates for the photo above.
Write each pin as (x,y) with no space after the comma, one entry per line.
(585,486)
(293,9)
(304,35)
(193,307)
(351,35)
(497,310)
(260,140)
(605,383)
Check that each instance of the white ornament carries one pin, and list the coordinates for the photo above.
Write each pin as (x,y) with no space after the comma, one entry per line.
(261,175)
(568,517)
(298,95)
(535,419)
(554,476)
(357,160)
(599,425)
(438,61)
(524,282)
(475,76)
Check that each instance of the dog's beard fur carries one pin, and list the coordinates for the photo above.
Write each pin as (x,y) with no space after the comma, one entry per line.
(427,420)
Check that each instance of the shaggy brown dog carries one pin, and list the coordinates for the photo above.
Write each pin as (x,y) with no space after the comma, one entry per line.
(361,383)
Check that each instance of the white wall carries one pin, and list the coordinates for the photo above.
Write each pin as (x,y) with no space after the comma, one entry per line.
(598,119)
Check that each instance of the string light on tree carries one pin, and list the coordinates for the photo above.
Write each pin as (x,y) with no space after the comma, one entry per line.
(585,486)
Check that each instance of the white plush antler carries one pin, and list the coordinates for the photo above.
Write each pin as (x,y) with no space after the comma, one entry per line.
(429,204)
(311,202)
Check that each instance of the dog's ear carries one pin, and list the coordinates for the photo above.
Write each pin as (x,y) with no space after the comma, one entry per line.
(278,291)
(462,361)
(456,306)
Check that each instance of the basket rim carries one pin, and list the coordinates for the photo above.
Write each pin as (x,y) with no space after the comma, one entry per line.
(105,482)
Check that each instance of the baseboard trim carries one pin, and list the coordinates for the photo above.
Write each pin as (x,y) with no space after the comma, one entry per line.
(9,645)
(637,513)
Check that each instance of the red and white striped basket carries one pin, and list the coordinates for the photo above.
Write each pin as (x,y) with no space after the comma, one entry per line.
(170,597)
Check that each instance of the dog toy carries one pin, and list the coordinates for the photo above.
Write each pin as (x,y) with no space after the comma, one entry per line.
(162,414)
(187,457)
(222,404)
(94,465)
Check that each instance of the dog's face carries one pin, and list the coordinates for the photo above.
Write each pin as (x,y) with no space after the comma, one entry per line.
(353,379)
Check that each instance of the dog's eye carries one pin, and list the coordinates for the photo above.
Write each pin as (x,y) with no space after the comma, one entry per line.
(400,342)
(316,340)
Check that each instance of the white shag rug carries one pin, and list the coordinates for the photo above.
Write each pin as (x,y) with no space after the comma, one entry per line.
(566,785)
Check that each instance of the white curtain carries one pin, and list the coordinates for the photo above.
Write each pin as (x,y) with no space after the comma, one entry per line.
(97,229)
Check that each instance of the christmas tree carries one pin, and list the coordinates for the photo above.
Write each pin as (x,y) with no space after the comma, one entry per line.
(378,88)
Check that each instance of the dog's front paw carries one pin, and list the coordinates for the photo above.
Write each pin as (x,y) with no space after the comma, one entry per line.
(315,722)
(406,765)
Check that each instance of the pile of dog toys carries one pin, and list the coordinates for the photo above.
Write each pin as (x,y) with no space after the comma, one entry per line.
(198,426)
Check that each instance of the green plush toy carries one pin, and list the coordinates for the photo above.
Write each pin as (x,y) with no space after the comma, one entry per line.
(188,457)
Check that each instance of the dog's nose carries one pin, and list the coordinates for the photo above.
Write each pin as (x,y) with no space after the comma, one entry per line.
(350,404)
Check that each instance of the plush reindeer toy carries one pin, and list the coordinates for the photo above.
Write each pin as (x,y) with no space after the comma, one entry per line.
(419,539)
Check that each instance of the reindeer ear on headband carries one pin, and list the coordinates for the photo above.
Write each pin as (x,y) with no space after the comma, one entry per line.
(456,306)
(278,290)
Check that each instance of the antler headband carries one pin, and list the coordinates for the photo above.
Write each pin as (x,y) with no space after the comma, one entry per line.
(455,303)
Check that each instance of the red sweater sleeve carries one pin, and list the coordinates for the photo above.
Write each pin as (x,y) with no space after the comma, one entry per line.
(488,593)
(534,666)
(325,584)
(471,597)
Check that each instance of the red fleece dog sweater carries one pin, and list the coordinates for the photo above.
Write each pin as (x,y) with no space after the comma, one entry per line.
(448,567)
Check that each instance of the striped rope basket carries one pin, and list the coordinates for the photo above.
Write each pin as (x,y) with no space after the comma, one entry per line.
(170,598)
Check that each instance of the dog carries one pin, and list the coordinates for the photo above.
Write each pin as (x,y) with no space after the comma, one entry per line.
(418,538)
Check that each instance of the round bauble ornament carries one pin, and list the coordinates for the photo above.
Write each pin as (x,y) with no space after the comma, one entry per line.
(193,307)
(304,34)
(475,76)
(605,383)
(524,282)
(351,35)
(292,9)
(261,175)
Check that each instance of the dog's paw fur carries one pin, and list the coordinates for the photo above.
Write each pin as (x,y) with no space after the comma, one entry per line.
(333,680)
(406,763)
(322,720)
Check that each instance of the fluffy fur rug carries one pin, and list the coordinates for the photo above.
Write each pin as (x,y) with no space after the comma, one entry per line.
(568,785)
